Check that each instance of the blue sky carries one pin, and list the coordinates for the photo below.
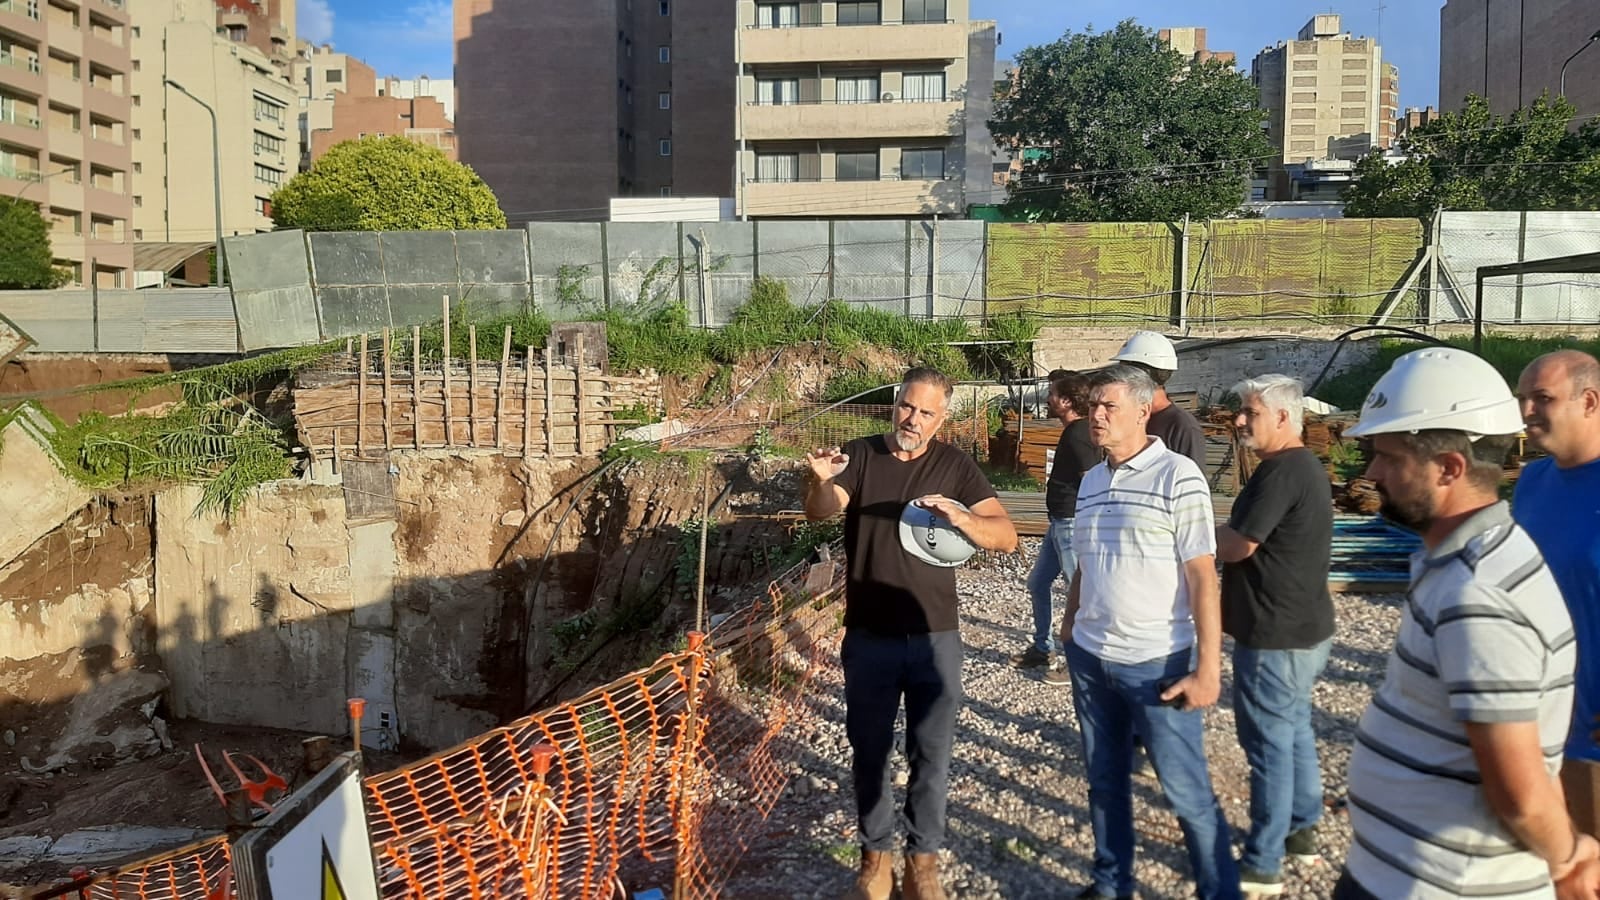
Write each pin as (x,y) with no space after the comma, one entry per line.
(412,37)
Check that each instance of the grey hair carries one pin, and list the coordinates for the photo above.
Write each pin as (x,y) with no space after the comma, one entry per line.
(1279,393)
(1139,384)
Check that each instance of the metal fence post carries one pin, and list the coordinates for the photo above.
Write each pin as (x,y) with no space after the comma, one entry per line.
(605,266)
(1180,315)
(703,257)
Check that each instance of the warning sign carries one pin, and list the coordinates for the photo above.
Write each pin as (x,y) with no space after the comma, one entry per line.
(314,844)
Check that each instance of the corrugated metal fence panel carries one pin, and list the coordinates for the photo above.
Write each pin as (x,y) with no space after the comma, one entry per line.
(189,320)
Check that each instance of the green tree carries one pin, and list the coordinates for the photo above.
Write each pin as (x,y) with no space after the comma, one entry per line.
(25,259)
(1475,160)
(386,184)
(1126,129)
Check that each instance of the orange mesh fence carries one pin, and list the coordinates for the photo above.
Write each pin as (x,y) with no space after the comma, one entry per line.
(655,779)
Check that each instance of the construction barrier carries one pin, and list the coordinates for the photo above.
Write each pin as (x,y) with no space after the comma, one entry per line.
(657,778)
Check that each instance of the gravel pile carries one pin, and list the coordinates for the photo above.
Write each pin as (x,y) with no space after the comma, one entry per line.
(1019,824)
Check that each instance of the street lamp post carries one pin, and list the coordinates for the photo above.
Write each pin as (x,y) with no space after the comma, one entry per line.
(216,176)
(1592,38)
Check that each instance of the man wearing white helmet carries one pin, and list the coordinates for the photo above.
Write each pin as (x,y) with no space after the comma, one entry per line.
(901,641)
(1453,789)
(1176,426)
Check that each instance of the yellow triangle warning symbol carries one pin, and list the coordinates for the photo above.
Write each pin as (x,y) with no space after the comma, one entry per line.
(331,888)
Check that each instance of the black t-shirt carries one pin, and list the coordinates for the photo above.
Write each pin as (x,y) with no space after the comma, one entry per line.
(1181,432)
(887,590)
(1277,598)
(1075,455)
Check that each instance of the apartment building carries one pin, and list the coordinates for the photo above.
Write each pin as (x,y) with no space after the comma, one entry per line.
(266,25)
(342,99)
(1328,95)
(871,108)
(182,66)
(1191,42)
(440,89)
(1414,118)
(64,111)
(639,101)
(1511,51)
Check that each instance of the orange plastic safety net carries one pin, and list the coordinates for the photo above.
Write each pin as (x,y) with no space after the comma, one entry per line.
(654,779)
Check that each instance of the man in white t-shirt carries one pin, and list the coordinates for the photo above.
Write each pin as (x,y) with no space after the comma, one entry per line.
(1143,636)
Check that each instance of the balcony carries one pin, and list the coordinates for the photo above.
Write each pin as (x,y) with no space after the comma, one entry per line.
(22,17)
(100,47)
(107,103)
(854,43)
(824,121)
(21,72)
(820,199)
(10,168)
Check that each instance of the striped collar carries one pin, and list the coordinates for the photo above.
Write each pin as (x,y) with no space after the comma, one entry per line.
(1483,524)
(1145,458)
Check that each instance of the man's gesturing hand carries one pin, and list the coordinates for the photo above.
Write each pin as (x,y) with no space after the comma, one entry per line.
(827,464)
(946,509)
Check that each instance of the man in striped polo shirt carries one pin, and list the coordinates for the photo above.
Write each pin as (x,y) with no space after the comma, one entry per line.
(1142,636)
(1453,778)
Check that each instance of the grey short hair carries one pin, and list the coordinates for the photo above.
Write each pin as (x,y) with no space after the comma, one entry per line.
(1139,384)
(1279,393)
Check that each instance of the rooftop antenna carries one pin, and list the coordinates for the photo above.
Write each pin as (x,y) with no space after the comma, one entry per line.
(1382,5)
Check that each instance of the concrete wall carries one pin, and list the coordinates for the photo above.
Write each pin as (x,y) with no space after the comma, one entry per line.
(33,492)
(1512,52)
(391,590)
(1209,365)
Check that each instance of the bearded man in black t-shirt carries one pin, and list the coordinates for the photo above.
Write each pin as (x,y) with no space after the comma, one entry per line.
(901,640)
(1275,604)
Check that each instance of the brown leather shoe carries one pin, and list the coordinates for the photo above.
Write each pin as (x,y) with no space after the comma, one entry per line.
(876,880)
(921,879)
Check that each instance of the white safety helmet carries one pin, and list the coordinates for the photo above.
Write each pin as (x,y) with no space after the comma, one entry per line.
(931,538)
(1443,388)
(1150,348)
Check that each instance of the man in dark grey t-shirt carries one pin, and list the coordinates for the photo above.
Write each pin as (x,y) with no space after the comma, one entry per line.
(1275,605)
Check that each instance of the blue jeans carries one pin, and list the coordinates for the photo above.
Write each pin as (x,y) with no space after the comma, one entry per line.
(1272,707)
(880,670)
(1056,559)
(1112,700)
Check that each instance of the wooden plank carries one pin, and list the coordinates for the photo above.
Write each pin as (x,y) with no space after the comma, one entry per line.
(527,405)
(361,400)
(444,363)
(416,387)
(388,424)
(577,369)
(549,405)
(472,385)
(500,392)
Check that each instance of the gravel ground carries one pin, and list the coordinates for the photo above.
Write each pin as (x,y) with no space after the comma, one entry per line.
(1019,825)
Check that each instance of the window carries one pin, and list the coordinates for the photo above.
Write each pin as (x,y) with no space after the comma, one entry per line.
(138,200)
(663,54)
(138,133)
(135,31)
(664,100)
(666,7)
(238,33)
(926,87)
(1354,96)
(1305,81)
(777,15)
(925,11)
(268,111)
(333,76)
(267,175)
(263,206)
(666,191)
(135,99)
(136,65)
(1305,65)
(861,165)
(777,167)
(859,12)
(138,168)
(268,144)
(777,91)
(922,165)
(856,89)
(664,147)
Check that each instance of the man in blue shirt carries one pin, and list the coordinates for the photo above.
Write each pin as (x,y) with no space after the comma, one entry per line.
(1557,502)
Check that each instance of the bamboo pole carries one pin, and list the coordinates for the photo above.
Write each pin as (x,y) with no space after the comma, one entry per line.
(527,406)
(416,387)
(549,405)
(472,385)
(578,399)
(500,393)
(388,423)
(444,362)
(361,400)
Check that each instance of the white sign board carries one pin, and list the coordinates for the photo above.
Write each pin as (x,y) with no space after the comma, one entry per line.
(315,844)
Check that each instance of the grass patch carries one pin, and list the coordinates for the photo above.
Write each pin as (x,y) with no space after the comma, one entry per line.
(1006,480)
(1508,354)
